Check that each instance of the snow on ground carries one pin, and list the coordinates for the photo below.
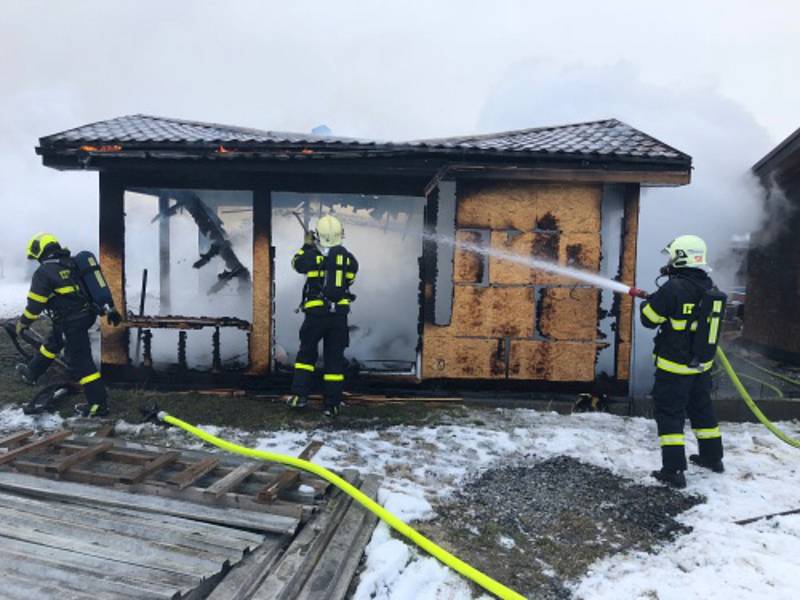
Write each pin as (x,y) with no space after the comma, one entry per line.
(423,465)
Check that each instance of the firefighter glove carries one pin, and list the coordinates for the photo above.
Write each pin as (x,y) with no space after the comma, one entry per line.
(113,317)
(308,238)
(21,327)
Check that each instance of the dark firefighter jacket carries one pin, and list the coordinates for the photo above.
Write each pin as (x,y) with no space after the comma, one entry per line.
(54,288)
(328,278)
(670,309)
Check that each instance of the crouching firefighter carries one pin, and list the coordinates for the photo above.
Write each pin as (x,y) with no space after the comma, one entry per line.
(688,311)
(330,270)
(72,291)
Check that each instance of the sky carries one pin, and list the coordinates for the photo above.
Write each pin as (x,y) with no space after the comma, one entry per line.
(715,79)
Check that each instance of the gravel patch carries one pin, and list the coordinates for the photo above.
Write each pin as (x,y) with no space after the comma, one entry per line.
(536,527)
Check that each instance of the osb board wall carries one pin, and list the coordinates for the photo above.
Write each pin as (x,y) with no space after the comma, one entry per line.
(519,322)
(627,275)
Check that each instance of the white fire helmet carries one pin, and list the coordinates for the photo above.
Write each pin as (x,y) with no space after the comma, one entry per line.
(687,251)
(329,231)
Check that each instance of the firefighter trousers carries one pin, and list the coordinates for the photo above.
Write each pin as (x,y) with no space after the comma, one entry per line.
(331,329)
(73,336)
(675,397)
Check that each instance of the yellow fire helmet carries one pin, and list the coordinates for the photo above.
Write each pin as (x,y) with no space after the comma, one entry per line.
(687,251)
(39,243)
(329,231)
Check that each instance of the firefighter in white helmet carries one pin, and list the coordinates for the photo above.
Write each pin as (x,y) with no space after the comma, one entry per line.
(330,270)
(687,311)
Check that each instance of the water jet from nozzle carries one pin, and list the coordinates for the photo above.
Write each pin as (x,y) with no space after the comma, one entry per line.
(587,277)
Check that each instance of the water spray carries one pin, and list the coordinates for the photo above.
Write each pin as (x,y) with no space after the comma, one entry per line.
(587,277)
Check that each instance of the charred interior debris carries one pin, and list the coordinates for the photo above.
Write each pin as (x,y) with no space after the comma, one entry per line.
(435,216)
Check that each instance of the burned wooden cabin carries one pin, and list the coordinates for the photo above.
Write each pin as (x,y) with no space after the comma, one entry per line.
(771,322)
(450,307)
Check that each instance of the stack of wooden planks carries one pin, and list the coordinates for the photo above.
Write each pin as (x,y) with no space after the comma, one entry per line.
(95,517)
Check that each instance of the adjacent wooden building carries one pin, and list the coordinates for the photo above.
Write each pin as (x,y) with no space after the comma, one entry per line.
(771,318)
(569,194)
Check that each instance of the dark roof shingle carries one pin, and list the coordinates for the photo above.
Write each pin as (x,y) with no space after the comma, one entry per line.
(146,129)
(609,138)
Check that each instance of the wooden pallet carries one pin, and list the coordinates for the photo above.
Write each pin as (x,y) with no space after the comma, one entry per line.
(215,480)
(96,517)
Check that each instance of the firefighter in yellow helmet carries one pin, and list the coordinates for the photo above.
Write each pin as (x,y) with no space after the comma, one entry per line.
(687,311)
(55,288)
(330,270)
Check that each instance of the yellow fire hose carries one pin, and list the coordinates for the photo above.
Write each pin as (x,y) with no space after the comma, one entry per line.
(468,571)
(486,582)
(775,374)
(751,403)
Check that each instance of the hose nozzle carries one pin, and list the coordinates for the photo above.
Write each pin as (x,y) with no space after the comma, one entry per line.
(637,293)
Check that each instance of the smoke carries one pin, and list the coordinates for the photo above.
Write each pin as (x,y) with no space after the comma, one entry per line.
(35,199)
(779,212)
(385,315)
(724,199)
(390,70)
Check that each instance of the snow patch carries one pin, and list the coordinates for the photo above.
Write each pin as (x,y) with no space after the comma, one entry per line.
(13,419)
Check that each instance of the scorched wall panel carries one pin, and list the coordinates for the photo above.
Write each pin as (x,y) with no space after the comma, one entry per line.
(494,317)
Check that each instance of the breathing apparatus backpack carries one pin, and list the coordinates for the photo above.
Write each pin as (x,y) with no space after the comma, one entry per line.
(92,283)
(708,314)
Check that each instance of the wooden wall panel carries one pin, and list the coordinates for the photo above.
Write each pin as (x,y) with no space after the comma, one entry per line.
(552,361)
(557,222)
(469,265)
(461,358)
(569,314)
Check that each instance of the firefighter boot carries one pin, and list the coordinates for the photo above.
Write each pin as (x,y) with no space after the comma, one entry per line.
(713,465)
(674,479)
(331,411)
(24,374)
(297,401)
(91,410)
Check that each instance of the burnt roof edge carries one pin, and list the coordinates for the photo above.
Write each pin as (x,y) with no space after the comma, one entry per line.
(778,154)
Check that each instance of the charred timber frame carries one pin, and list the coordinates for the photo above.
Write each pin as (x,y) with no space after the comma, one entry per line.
(261,328)
(625,316)
(352,175)
(114,346)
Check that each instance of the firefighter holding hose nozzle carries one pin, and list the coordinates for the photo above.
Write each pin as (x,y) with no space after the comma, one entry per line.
(687,311)
(59,287)
(330,270)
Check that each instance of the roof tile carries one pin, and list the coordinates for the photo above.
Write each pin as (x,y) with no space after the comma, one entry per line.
(598,138)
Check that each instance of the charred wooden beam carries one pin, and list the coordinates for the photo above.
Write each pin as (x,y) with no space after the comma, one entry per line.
(179,322)
(182,364)
(147,356)
(165,290)
(216,355)
(211,226)
(114,346)
(260,336)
